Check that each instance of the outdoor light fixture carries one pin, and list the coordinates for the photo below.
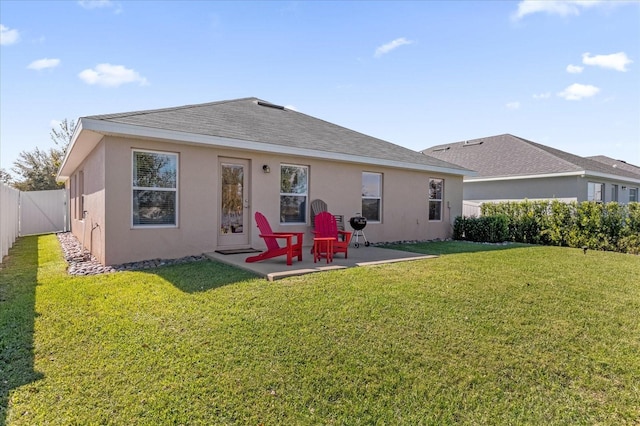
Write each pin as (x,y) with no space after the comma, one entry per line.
(266,168)
(624,188)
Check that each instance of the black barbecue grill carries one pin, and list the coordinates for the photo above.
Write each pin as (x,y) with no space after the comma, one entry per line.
(358,223)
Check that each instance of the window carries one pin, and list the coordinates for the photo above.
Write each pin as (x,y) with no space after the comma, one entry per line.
(436,188)
(614,192)
(155,188)
(594,191)
(294,184)
(372,196)
(73,194)
(633,195)
(81,195)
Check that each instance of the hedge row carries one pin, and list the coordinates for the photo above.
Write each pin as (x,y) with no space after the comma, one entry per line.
(598,226)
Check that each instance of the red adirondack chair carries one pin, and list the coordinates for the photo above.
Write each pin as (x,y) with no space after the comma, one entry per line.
(290,249)
(326,226)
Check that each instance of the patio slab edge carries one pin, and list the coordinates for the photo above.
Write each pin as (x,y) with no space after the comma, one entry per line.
(273,271)
(403,259)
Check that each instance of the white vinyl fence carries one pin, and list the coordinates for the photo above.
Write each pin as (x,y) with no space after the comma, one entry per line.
(471,209)
(9,218)
(43,212)
(30,213)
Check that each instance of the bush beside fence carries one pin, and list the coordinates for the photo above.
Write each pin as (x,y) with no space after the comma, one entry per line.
(598,226)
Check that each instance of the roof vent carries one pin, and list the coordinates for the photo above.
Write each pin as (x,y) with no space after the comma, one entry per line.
(442,149)
(268,105)
(472,143)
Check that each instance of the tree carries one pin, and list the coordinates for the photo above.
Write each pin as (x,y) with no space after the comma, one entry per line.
(5,177)
(62,137)
(38,168)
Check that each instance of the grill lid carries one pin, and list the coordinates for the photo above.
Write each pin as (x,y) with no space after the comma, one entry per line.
(358,222)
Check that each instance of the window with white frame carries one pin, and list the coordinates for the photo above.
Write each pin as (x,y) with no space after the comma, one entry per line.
(595,191)
(81,194)
(73,196)
(633,195)
(436,191)
(155,188)
(372,196)
(294,187)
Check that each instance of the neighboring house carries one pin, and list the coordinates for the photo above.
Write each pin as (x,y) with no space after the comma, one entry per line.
(181,181)
(511,168)
(616,164)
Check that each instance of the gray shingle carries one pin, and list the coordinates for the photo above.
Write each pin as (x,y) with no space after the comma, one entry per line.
(246,119)
(618,164)
(507,155)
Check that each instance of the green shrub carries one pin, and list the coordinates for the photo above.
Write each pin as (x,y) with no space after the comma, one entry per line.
(598,226)
(458,228)
(560,221)
(629,244)
(492,229)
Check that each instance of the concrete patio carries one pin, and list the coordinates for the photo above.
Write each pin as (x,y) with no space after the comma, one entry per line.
(276,268)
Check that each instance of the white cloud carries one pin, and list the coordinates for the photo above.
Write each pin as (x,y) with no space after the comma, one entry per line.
(576,92)
(95,4)
(291,107)
(388,47)
(8,36)
(545,95)
(616,61)
(513,105)
(108,75)
(559,7)
(55,124)
(574,69)
(41,64)
(99,4)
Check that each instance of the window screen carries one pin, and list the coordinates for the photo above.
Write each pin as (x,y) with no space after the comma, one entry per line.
(155,188)
(436,190)
(294,186)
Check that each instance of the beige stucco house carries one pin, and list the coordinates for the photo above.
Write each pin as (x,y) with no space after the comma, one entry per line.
(181,181)
(510,168)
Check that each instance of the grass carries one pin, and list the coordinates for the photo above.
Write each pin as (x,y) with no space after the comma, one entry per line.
(515,335)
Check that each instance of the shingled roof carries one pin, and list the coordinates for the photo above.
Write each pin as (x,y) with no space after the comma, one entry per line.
(618,164)
(508,156)
(268,127)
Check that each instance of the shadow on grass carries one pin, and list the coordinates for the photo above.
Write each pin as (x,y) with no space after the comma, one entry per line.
(18,280)
(453,247)
(202,276)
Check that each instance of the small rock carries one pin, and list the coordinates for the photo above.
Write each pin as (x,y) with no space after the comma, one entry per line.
(82,262)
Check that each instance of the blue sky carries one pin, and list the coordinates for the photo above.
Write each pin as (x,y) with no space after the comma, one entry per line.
(562,73)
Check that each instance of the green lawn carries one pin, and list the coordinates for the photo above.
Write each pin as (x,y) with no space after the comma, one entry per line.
(481,335)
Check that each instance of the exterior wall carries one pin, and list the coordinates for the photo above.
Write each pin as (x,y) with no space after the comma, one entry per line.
(90,229)
(568,188)
(623,194)
(404,200)
(197,192)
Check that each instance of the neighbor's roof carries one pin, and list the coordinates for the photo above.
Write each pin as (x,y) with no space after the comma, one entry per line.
(507,156)
(250,124)
(618,164)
